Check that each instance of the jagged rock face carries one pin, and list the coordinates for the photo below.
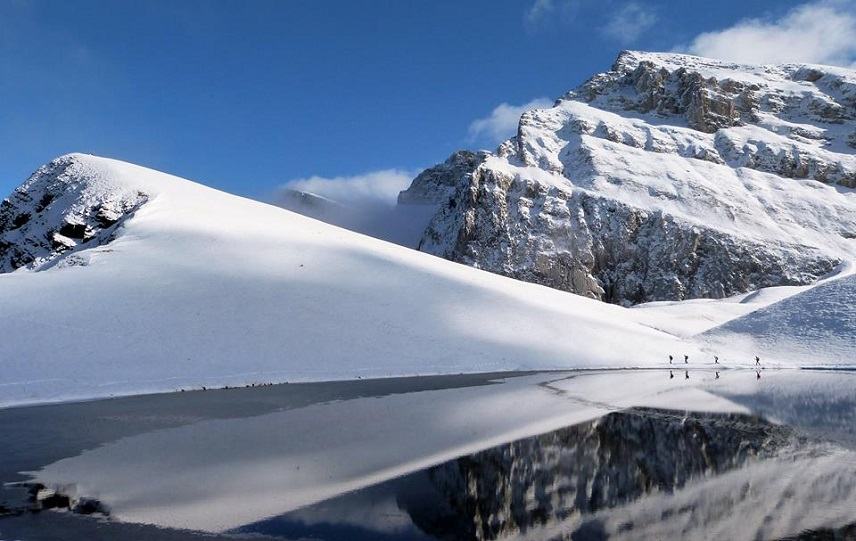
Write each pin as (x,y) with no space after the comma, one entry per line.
(603,248)
(438,184)
(579,470)
(706,104)
(57,211)
(669,177)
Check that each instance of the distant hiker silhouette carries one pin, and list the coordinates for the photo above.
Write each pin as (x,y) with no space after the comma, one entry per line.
(670,359)
(715,359)
(757,361)
(686,359)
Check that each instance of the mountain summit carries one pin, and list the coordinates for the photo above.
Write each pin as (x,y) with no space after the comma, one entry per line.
(65,205)
(668,177)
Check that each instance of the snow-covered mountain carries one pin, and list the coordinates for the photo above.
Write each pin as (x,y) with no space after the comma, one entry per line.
(668,177)
(61,209)
(129,280)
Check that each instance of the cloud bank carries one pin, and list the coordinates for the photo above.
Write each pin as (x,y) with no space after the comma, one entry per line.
(629,22)
(816,32)
(368,188)
(364,203)
(552,14)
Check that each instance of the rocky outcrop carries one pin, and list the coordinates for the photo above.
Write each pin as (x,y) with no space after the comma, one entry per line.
(707,104)
(669,177)
(59,210)
(603,248)
(438,184)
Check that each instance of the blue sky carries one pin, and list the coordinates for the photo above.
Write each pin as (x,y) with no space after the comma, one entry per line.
(245,96)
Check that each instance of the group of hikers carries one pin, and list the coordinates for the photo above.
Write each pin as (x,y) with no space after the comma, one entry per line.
(715,361)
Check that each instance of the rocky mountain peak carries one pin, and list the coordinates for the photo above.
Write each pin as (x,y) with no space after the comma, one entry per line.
(65,205)
(665,178)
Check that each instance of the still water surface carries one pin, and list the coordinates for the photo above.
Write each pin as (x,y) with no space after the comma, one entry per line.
(576,455)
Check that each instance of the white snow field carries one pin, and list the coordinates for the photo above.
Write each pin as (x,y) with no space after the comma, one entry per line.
(816,327)
(202,288)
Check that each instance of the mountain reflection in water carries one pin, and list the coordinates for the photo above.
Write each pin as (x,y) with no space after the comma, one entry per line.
(639,473)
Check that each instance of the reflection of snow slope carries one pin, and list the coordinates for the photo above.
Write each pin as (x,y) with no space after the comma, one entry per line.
(764,500)
(818,402)
(767,500)
(220,474)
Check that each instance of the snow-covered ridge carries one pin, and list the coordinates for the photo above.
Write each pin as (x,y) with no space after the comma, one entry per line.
(64,206)
(800,112)
(668,177)
(201,288)
(814,327)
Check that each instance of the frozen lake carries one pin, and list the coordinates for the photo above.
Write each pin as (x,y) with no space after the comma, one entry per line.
(633,454)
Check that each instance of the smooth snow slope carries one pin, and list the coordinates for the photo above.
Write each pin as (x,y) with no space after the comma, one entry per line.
(816,327)
(200,287)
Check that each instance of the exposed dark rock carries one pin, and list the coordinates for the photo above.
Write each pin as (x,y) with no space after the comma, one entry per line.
(438,184)
(73,230)
(61,208)
(46,498)
(602,248)
(20,220)
(89,506)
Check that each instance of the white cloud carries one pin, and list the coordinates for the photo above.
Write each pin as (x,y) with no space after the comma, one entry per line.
(502,122)
(364,203)
(369,188)
(821,32)
(539,11)
(629,22)
(545,12)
